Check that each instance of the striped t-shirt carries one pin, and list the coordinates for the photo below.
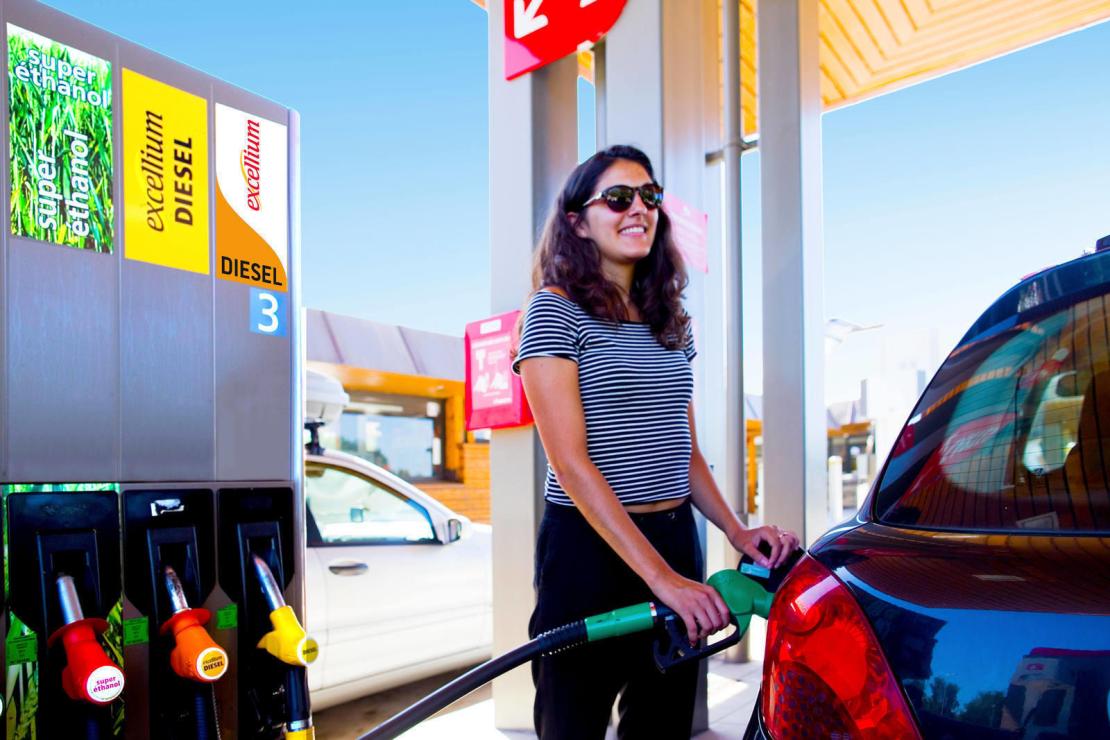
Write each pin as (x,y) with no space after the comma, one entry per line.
(635,394)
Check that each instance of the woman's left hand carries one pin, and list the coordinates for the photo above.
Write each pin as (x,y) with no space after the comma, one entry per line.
(782,543)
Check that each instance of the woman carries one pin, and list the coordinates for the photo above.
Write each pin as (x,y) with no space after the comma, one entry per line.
(604,356)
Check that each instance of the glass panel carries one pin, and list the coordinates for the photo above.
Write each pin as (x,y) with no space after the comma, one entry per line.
(1013,433)
(403,434)
(351,509)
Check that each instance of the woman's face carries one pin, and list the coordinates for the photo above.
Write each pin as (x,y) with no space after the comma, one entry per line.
(622,238)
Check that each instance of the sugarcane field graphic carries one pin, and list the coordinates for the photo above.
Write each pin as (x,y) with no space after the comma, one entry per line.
(60,101)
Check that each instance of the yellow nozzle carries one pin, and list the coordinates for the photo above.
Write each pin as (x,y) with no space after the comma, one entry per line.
(307,734)
(288,641)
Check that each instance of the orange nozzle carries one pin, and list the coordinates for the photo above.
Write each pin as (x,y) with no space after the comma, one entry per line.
(196,655)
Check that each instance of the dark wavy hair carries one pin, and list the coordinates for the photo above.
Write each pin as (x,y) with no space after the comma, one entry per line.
(571,263)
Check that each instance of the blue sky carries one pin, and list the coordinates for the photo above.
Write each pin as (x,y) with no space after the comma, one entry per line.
(392,97)
(937,197)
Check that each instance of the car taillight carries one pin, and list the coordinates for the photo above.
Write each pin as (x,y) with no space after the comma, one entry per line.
(824,674)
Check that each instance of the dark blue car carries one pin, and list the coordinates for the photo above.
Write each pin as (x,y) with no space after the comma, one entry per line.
(970,598)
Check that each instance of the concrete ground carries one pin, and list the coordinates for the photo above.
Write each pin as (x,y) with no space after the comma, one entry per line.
(732,692)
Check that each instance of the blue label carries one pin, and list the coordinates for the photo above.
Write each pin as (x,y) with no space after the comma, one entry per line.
(751,569)
(268,315)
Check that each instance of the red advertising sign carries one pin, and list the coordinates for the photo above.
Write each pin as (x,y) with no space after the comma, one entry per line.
(537,32)
(690,228)
(494,395)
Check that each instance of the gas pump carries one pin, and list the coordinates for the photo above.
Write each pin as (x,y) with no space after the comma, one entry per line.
(150,410)
(169,565)
(63,556)
(255,536)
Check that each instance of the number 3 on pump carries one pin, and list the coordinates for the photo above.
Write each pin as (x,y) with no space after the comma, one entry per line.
(267,313)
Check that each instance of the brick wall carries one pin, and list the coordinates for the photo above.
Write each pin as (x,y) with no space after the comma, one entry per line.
(471,496)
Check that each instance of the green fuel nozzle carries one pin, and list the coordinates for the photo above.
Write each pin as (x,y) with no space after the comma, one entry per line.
(743,597)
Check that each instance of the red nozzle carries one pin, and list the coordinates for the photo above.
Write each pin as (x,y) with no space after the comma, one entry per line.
(89,674)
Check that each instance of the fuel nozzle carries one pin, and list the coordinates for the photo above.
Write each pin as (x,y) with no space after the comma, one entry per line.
(288,641)
(89,674)
(743,597)
(195,656)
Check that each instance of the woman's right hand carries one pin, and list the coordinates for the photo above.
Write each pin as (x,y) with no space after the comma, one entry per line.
(698,605)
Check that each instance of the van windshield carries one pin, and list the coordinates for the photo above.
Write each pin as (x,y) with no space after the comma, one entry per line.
(1013,433)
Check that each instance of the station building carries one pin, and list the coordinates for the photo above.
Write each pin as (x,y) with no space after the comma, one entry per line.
(406,412)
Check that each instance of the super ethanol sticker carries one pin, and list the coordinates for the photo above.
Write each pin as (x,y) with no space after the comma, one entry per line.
(60,99)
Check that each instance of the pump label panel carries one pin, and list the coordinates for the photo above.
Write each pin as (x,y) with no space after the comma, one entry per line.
(136,631)
(252,199)
(21,649)
(165,175)
(227,617)
(60,100)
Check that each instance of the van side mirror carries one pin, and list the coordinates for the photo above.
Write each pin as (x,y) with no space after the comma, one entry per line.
(454,530)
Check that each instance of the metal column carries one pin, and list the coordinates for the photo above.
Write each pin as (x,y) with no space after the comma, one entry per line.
(533,147)
(794,438)
(658,90)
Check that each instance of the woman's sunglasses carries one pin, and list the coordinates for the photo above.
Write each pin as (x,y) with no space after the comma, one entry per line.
(619,198)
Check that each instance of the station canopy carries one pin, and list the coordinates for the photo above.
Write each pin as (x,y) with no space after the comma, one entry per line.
(871,47)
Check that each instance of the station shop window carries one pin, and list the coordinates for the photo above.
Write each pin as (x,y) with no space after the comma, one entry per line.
(403,434)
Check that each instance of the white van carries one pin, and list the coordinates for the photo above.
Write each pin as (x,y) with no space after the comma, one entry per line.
(397,586)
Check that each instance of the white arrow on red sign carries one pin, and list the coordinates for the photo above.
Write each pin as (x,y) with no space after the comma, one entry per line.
(527,18)
(538,32)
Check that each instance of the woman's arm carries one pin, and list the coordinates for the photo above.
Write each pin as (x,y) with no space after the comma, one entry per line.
(551,384)
(707,497)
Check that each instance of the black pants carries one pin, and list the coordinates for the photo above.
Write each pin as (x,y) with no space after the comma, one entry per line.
(577,575)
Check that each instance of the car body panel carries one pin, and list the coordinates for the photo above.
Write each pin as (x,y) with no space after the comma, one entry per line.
(393,612)
(985,633)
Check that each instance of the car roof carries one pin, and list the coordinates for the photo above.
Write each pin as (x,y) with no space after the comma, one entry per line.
(1070,281)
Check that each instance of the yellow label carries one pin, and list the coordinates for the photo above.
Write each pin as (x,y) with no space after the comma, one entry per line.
(212,663)
(309,650)
(165,181)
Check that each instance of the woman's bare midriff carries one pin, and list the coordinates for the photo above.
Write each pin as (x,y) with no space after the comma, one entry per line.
(654,506)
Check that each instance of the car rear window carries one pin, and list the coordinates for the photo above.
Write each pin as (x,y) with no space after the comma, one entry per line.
(1014,431)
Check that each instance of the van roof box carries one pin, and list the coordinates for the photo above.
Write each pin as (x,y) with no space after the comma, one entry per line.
(324,397)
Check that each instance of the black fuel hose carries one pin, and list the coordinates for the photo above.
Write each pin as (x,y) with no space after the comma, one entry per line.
(743,596)
(204,721)
(552,641)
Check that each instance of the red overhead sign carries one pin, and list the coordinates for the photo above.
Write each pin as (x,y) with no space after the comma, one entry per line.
(537,32)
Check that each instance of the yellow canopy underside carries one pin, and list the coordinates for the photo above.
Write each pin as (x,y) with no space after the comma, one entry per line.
(870,47)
